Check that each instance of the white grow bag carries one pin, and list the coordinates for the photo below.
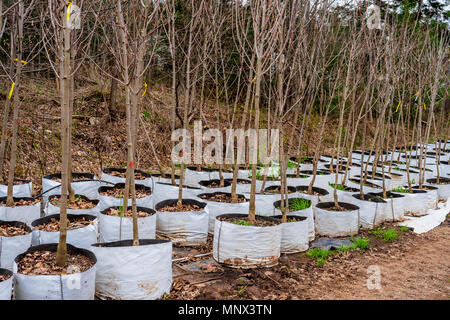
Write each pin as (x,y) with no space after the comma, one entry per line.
(395,207)
(264,202)
(165,190)
(115,228)
(6,285)
(50,209)
(86,188)
(10,247)
(192,177)
(336,223)
(371,213)
(416,203)
(186,228)
(294,235)
(107,202)
(25,214)
(246,246)
(241,188)
(432,196)
(217,208)
(308,213)
(127,272)
(80,238)
(75,286)
(443,189)
(23,190)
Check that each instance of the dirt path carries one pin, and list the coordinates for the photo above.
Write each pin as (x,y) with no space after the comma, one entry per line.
(412,267)
(418,270)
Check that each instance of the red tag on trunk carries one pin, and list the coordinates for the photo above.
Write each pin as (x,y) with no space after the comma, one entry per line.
(131,164)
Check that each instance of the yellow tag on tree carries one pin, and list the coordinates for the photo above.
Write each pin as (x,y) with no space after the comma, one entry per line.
(11,91)
(145,90)
(400,101)
(68,10)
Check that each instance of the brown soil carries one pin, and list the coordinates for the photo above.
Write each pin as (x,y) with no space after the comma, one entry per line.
(53,225)
(184,207)
(259,222)
(21,203)
(12,231)
(221,197)
(77,204)
(44,263)
(128,214)
(306,192)
(278,190)
(412,267)
(118,193)
(4,277)
(137,175)
(213,185)
(337,209)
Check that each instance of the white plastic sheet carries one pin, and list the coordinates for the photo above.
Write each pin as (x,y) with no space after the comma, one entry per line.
(25,214)
(336,223)
(127,272)
(115,228)
(80,238)
(75,286)
(246,246)
(6,285)
(19,190)
(187,228)
(10,247)
(426,223)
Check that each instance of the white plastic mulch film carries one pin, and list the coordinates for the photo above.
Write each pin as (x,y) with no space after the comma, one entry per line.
(188,228)
(71,286)
(217,208)
(336,223)
(127,272)
(80,237)
(6,285)
(25,214)
(116,228)
(22,190)
(10,247)
(246,246)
